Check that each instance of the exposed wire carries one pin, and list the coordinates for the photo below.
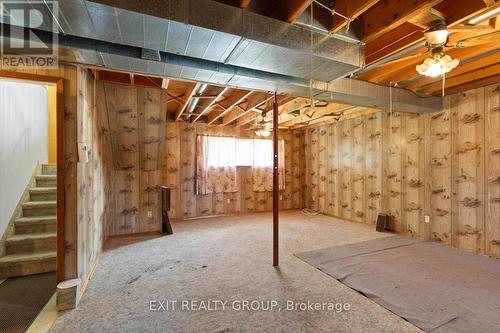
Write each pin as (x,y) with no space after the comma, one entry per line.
(333,12)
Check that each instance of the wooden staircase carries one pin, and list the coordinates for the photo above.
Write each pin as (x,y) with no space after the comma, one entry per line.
(32,247)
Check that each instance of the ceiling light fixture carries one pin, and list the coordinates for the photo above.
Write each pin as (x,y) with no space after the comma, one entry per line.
(437,65)
(263,127)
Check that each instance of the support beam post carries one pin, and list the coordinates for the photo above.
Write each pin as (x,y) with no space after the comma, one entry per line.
(276,190)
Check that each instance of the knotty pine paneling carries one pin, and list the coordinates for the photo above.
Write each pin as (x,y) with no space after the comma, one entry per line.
(445,165)
(179,174)
(133,124)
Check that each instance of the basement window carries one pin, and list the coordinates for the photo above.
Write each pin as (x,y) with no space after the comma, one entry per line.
(244,152)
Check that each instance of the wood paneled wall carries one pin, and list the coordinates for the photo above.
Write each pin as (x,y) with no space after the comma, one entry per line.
(94,178)
(445,165)
(133,129)
(179,174)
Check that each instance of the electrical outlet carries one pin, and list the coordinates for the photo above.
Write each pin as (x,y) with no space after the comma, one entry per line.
(150,214)
(313,198)
(427,219)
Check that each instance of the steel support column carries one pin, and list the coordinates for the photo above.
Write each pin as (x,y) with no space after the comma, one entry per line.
(276,190)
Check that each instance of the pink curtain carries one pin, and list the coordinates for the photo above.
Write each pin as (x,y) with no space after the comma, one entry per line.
(216,165)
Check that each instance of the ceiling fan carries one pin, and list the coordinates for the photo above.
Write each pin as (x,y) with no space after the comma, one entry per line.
(436,41)
(264,127)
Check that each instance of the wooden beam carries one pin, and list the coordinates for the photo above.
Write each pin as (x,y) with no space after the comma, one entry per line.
(404,70)
(276,189)
(495,79)
(309,114)
(290,10)
(390,14)
(352,113)
(409,70)
(236,98)
(407,34)
(462,79)
(257,100)
(249,117)
(351,9)
(190,91)
(252,117)
(393,41)
(212,102)
(461,69)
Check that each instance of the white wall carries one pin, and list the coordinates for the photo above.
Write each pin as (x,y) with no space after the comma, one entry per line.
(23,140)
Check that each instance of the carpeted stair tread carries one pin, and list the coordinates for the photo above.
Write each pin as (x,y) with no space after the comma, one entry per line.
(40,204)
(31,237)
(36,219)
(24,257)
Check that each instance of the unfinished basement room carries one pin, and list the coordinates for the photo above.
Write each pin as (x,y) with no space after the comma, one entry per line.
(250,166)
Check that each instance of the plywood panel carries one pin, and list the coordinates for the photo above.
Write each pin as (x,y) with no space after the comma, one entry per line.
(444,165)
(358,169)
(492,152)
(468,170)
(345,166)
(373,167)
(440,175)
(413,169)
(136,117)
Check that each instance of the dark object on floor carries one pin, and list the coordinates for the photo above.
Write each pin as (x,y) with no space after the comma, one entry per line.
(165,207)
(22,299)
(435,287)
(382,222)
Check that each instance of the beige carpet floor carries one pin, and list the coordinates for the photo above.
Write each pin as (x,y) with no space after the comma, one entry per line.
(227,259)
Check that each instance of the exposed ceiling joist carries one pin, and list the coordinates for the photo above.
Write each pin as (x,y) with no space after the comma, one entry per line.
(390,14)
(464,68)
(254,102)
(349,114)
(410,33)
(289,10)
(310,114)
(485,72)
(221,93)
(399,71)
(237,97)
(282,99)
(495,79)
(351,9)
(288,110)
(189,93)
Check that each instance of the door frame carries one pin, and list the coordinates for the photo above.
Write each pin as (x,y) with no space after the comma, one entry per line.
(60,220)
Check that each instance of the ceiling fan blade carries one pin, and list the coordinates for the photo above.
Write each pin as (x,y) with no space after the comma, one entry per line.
(493,37)
(392,62)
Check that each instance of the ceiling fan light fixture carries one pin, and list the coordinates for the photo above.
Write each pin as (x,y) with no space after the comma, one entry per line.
(436,37)
(263,129)
(437,65)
